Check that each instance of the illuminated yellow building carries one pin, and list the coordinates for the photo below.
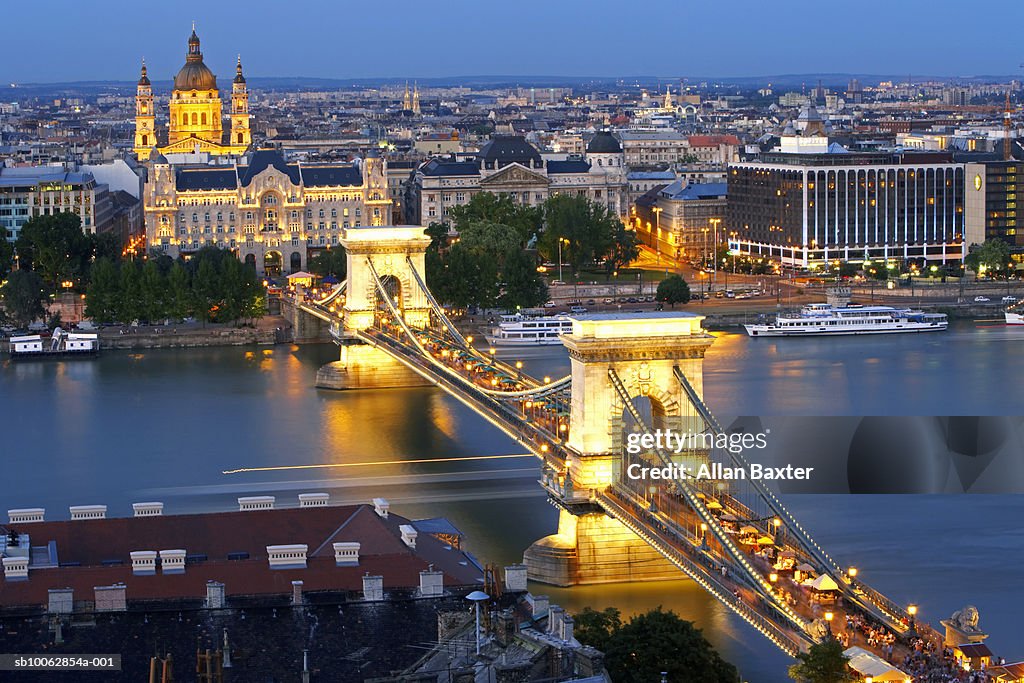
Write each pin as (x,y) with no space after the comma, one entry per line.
(195,116)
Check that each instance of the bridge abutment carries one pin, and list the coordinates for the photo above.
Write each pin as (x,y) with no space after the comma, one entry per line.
(365,367)
(594,548)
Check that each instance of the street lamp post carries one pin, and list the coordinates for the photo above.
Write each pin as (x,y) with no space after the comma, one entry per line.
(657,235)
(714,223)
(828,622)
(477,597)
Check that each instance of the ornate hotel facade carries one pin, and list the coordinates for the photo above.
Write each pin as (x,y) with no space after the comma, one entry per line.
(272,213)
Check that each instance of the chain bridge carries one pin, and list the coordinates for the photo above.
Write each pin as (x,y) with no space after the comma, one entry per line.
(629,374)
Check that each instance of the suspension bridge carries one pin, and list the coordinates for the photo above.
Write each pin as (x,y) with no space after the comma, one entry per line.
(629,374)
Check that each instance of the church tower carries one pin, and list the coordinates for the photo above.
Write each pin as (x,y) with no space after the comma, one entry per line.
(145,117)
(241,136)
(416,98)
(668,98)
(406,101)
(195,111)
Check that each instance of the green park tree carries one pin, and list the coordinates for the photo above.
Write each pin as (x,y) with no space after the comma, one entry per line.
(129,300)
(56,248)
(589,231)
(648,644)
(102,296)
(823,663)
(992,256)
(333,262)
(152,292)
(22,297)
(487,207)
(673,290)
(523,286)
(6,254)
(180,299)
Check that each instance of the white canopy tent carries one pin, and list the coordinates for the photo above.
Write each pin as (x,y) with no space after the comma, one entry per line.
(867,664)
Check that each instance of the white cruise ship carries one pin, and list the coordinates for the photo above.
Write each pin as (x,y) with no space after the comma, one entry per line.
(826,319)
(1015,314)
(522,330)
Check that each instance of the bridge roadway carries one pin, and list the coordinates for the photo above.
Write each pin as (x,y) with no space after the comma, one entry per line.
(530,411)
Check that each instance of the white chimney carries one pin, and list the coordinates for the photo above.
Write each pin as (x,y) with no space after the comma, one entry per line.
(409,535)
(538,604)
(62,601)
(88,512)
(431,583)
(555,614)
(373,587)
(297,593)
(346,554)
(381,506)
(247,503)
(314,500)
(110,598)
(172,561)
(287,556)
(567,627)
(25,515)
(143,562)
(214,595)
(15,568)
(515,578)
(152,509)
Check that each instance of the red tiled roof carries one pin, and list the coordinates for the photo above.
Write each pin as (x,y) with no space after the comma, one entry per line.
(91,542)
(713,140)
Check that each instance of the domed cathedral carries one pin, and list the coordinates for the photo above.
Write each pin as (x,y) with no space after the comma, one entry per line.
(195,116)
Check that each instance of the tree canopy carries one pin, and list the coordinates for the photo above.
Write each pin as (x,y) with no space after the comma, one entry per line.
(673,290)
(589,232)
(22,297)
(823,663)
(992,256)
(639,650)
(56,248)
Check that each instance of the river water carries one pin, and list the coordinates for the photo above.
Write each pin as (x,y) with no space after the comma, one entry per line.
(190,427)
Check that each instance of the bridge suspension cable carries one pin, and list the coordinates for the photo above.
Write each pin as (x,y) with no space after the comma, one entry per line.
(877,604)
(752,576)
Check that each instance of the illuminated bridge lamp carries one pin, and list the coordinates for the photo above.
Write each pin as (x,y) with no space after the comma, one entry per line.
(773,577)
(547,380)
(828,620)
(469,339)
(703,535)
(491,350)
(912,611)
(852,571)
(494,382)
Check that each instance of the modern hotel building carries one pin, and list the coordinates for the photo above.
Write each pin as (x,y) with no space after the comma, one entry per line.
(804,208)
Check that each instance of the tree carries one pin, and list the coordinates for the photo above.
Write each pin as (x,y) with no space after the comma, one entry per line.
(180,303)
(524,287)
(333,262)
(625,249)
(128,305)
(489,240)
(823,663)
(658,641)
(101,298)
(673,290)
(596,628)
(992,256)
(22,297)
(487,207)
(206,290)
(588,230)
(56,248)
(106,245)
(6,254)
(152,292)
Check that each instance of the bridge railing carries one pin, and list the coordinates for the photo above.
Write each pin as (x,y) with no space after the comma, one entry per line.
(632,516)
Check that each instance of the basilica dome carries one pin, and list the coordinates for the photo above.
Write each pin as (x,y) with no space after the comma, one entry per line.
(195,75)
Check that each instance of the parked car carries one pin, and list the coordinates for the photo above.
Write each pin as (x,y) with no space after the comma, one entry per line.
(550,304)
(557,282)
(981,299)
(577,310)
(608,301)
(631,300)
(591,302)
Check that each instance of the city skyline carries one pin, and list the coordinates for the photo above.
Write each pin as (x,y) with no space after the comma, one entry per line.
(460,39)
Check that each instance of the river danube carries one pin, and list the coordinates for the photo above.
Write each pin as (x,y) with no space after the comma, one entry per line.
(197,428)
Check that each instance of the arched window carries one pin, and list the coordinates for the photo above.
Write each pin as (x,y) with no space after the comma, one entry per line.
(239,137)
(145,141)
(204,118)
(184,119)
(195,119)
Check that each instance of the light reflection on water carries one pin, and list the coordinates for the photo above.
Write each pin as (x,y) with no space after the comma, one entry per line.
(164,424)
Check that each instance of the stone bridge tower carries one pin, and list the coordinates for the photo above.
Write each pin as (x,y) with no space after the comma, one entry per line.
(390,250)
(591,547)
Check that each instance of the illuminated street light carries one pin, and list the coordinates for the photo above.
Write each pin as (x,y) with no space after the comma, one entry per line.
(828,621)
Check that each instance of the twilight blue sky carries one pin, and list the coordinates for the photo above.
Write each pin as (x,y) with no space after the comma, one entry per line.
(70,40)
